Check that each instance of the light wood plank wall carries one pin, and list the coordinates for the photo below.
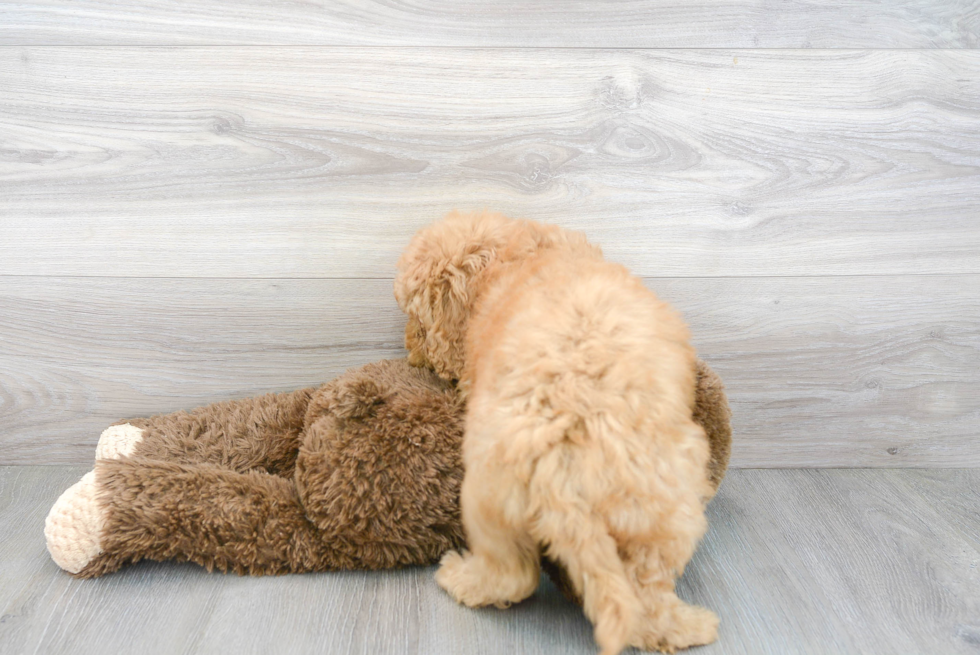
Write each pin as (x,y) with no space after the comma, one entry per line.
(189,223)
(498,23)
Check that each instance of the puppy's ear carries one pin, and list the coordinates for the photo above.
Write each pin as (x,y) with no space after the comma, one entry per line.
(438,277)
(415,343)
(451,293)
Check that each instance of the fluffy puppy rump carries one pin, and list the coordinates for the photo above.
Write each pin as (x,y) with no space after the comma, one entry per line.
(579,434)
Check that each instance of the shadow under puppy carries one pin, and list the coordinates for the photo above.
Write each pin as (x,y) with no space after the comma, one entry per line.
(579,438)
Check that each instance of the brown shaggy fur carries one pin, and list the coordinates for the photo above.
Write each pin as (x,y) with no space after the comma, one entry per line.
(580,439)
(712,413)
(361,473)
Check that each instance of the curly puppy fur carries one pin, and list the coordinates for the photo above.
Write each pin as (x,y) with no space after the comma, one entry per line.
(579,434)
(712,413)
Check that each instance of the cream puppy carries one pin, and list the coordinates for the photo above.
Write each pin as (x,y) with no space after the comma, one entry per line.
(579,437)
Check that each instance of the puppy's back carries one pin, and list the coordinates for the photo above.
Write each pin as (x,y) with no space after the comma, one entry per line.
(584,333)
(585,380)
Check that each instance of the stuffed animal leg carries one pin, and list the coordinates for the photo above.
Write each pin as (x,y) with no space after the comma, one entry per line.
(101,522)
(249,523)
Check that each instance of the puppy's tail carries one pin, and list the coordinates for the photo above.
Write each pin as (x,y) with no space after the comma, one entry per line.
(579,539)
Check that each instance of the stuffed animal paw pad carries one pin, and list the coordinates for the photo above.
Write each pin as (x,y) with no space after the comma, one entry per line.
(118,441)
(73,526)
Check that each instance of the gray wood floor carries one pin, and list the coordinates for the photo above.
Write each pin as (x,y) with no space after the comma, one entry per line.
(795,561)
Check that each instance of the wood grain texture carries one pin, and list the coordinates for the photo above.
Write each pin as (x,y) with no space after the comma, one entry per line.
(513,23)
(850,371)
(839,561)
(961,509)
(797,561)
(321,162)
(76,352)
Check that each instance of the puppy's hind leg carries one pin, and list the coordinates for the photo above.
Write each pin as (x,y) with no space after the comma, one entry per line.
(667,623)
(502,565)
(577,536)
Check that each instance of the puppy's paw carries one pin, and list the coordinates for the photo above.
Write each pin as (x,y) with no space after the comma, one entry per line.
(118,441)
(451,576)
(457,574)
(684,627)
(472,582)
(695,626)
(73,526)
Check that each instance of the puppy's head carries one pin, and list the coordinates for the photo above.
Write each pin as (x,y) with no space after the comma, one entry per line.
(436,285)
(444,269)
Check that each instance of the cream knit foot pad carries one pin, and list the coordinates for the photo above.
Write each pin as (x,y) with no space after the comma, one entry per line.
(73,526)
(118,441)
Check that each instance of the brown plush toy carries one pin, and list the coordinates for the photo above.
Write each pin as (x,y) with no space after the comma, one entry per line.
(361,473)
